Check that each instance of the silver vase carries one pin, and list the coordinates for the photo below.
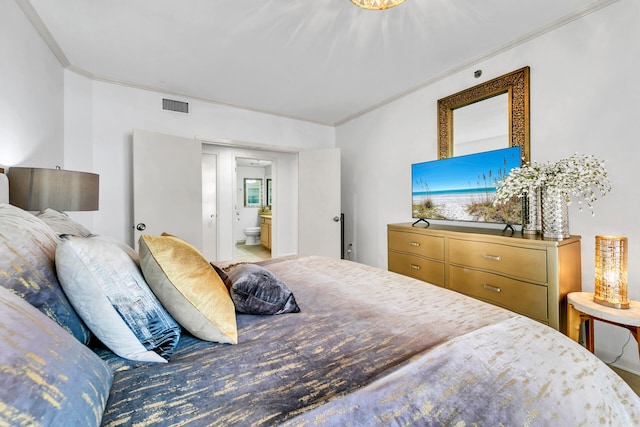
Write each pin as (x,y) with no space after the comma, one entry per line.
(555,215)
(531,215)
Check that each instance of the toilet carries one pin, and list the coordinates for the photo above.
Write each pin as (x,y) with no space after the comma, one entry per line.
(253,235)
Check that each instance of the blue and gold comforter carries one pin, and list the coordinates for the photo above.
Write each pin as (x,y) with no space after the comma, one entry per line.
(371,347)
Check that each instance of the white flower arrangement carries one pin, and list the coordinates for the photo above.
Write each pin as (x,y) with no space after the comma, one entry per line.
(579,175)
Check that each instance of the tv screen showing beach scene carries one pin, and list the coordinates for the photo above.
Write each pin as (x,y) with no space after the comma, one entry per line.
(463,188)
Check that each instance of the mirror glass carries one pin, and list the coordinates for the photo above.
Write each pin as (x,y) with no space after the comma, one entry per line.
(481,126)
(252,192)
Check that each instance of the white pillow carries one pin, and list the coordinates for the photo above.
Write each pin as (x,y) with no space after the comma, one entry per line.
(109,293)
(61,223)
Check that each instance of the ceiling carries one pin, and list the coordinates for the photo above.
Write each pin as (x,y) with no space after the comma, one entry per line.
(324,61)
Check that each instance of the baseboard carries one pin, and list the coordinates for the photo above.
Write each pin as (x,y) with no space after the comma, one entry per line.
(626,367)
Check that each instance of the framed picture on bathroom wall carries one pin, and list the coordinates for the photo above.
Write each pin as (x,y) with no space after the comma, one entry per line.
(269,191)
(252,192)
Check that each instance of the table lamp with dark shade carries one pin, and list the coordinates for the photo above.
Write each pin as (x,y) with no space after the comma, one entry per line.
(35,189)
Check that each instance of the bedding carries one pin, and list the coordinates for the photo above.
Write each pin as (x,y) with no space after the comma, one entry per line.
(48,377)
(362,347)
(370,347)
(27,268)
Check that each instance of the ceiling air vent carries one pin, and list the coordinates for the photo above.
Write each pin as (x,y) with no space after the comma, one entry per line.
(173,105)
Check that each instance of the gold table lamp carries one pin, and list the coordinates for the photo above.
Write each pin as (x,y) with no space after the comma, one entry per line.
(611,271)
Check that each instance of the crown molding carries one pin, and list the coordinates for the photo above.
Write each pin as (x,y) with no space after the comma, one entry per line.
(182,95)
(580,13)
(42,29)
(37,23)
(46,35)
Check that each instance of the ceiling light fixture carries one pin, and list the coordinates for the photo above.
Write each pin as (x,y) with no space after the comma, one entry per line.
(376,4)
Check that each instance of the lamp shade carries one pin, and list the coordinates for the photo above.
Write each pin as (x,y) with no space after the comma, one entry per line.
(611,271)
(35,189)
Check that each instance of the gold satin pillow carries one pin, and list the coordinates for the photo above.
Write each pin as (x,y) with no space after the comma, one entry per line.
(188,287)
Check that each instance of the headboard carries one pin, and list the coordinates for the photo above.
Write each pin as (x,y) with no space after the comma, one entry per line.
(4,187)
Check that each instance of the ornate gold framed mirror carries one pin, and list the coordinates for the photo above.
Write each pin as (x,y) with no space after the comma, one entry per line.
(515,86)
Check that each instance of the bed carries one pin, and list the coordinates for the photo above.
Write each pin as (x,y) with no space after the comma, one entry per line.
(367,347)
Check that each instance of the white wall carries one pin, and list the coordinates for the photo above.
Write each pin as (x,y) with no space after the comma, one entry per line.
(78,124)
(584,98)
(116,110)
(50,116)
(31,95)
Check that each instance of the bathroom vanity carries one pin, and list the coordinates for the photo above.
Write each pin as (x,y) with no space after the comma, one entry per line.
(265,231)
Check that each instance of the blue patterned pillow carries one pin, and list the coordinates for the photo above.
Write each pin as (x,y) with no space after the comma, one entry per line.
(48,378)
(27,250)
(107,289)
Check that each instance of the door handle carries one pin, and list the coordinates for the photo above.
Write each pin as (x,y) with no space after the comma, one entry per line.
(336,218)
(141,226)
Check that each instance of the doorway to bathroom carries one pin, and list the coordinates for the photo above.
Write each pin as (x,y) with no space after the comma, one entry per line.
(167,182)
(253,209)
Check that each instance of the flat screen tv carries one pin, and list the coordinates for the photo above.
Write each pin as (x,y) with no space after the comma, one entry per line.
(463,188)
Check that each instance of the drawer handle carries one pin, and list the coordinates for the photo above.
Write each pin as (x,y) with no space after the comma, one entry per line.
(416,244)
(492,288)
(492,257)
(415,267)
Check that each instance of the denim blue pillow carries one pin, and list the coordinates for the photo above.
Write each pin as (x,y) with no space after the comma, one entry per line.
(48,378)
(27,268)
(107,289)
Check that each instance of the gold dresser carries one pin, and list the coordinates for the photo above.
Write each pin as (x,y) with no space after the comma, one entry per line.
(528,275)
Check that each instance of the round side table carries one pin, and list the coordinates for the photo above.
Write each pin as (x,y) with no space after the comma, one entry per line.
(582,308)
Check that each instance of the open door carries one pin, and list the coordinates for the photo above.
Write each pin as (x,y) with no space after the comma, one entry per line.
(209,206)
(167,186)
(319,222)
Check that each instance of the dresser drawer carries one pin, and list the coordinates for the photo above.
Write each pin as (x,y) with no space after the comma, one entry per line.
(415,243)
(523,263)
(521,297)
(418,268)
